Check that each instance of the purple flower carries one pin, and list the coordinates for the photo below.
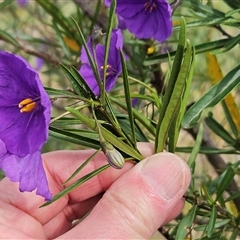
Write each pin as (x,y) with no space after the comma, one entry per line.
(22,3)
(146,18)
(114,66)
(24,120)
(121,23)
(134,102)
(39,63)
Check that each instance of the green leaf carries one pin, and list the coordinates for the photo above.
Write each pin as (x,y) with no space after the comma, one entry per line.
(8,38)
(229,45)
(175,127)
(74,138)
(81,82)
(233,3)
(162,126)
(186,223)
(128,99)
(5,3)
(211,222)
(124,123)
(107,45)
(56,92)
(231,118)
(168,114)
(234,234)
(207,150)
(201,48)
(198,7)
(65,122)
(223,181)
(211,22)
(138,116)
(195,150)
(212,97)
(96,14)
(79,182)
(108,136)
(91,59)
(207,194)
(82,166)
(233,196)
(231,12)
(61,41)
(78,87)
(218,224)
(58,17)
(219,130)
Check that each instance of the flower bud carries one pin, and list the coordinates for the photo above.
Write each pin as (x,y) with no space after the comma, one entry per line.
(96,36)
(114,157)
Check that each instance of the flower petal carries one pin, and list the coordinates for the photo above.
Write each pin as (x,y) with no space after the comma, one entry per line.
(28,171)
(146,21)
(114,63)
(87,73)
(22,133)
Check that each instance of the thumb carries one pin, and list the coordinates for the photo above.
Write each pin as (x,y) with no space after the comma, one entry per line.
(140,201)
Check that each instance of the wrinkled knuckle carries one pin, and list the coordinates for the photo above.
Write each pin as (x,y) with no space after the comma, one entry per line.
(134,211)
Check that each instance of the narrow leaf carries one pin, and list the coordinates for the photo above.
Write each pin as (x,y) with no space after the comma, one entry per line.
(234,234)
(175,129)
(79,88)
(211,222)
(212,97)
(5,3)
(215,75)
(107,45)
(74,138)
(218,129)
(186,223)
(201,48)
(128,98)
(138,116)
(8,38)
(196,148)
(165,121)
(57,16)
(108,136)
(79,182)
(223,181)
(82,166)
(233,3)
(161,134)
(90,57)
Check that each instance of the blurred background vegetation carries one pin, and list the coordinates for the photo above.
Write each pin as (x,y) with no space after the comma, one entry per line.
(43,32)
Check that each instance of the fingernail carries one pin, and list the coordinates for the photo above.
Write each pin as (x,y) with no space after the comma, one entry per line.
(167,174)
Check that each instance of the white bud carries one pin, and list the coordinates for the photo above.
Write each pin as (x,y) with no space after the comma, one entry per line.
(114,157)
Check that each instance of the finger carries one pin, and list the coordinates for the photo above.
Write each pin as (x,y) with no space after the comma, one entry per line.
(177,209)
(139,201)
(59,165)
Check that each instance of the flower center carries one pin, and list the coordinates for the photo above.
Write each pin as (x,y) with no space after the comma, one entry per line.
(150,5)
(110,70)
(27,105)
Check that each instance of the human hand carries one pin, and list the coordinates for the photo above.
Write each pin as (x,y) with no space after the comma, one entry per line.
(137,200)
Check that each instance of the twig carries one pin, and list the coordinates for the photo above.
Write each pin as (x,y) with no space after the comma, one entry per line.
(175,5)
(32,51)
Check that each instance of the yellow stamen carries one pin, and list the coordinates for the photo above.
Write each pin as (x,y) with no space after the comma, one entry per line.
(149,6)
(27,105)
(108,67)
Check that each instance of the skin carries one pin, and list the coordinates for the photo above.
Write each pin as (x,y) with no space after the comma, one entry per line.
(137,200)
